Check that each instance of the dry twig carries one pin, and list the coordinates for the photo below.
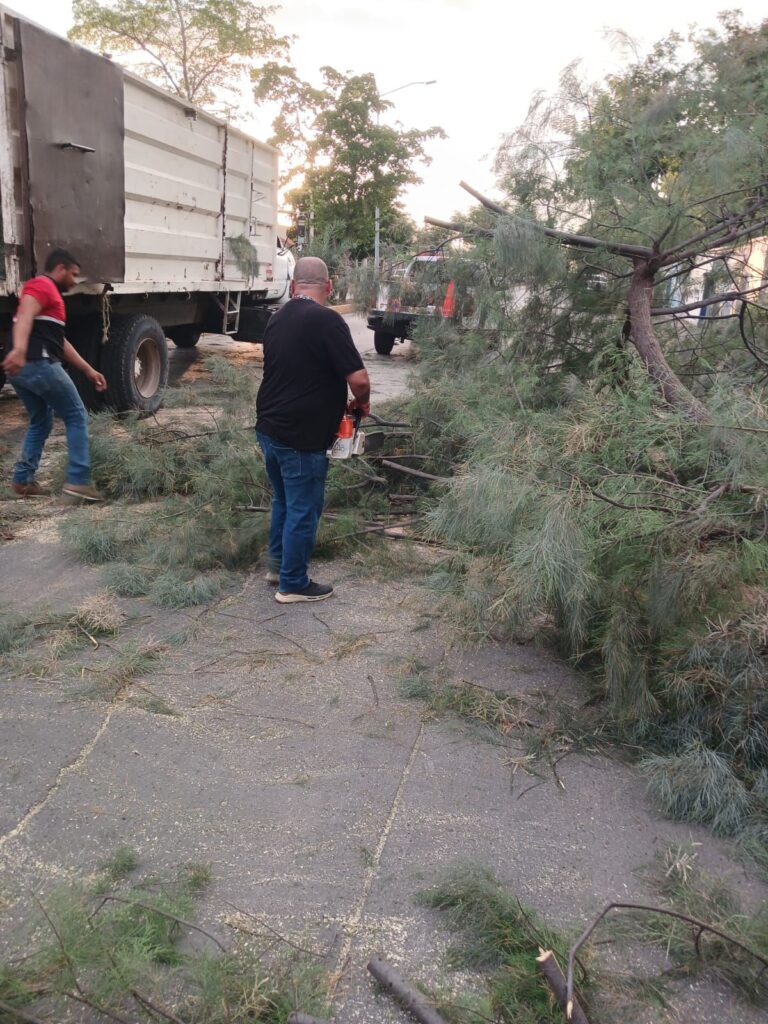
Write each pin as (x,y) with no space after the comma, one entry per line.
(699,927)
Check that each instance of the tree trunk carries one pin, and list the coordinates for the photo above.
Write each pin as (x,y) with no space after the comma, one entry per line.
(644,339)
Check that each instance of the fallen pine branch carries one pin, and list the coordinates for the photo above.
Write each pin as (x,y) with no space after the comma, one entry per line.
(699,926)
(86,1001)
(18,1014)
(415,472)
(155,1009)
(409,997)
(379,422)
(381,528)
(162,913)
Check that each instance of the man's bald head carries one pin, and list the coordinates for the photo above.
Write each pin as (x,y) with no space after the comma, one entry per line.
(310,277)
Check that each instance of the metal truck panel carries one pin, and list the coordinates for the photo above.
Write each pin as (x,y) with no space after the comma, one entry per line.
(73,129)
(199,197)
(12,207)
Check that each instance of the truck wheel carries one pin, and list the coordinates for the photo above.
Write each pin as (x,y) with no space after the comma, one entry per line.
(186,336)
(383,343)
(135,363)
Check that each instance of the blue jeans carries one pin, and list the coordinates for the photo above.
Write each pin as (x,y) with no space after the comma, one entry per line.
(45,389)
(298,492)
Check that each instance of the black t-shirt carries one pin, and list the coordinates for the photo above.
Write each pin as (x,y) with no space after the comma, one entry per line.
(308,354)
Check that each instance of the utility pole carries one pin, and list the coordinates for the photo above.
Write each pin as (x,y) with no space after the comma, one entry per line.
(377,211)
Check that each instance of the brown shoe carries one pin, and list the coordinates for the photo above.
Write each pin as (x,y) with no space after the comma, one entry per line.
(29,490)
(75,493)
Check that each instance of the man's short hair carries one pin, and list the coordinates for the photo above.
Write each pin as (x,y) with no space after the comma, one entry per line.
(310,271)
(58,256)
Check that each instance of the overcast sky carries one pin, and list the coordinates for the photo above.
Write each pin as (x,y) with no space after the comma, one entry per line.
(487,56)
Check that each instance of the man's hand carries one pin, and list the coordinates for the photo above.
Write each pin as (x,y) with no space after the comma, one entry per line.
(14,362)
(97,379)
(360,386)
(364,408)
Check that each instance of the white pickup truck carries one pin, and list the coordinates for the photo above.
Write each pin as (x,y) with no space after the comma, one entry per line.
(171,211)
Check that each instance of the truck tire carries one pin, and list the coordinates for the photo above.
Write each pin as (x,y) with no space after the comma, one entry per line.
(383,342)
(186,336)
(135,363)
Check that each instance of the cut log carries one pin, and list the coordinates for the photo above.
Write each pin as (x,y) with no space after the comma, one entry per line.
(409,997)
(555,978)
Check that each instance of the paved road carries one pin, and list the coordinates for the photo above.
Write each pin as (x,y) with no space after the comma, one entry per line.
(323,800)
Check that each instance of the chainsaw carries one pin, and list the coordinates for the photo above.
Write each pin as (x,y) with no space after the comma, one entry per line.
(352,440)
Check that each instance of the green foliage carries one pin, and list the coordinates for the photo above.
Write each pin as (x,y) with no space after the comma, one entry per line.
(687,888)
(171,591)
(669,154)
(19,632)
(131,660)
(698,785)
(38,643)
(120,864)
(349,162)
(197,49)
(628,534)
(501,935)
(548,728)
(120,948)
(191,504)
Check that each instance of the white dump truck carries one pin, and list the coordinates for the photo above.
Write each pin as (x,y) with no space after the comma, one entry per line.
(171,211)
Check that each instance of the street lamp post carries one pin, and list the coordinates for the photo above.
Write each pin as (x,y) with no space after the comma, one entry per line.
(377,211)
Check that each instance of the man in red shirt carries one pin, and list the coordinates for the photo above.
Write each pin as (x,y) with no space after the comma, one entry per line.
(35,372)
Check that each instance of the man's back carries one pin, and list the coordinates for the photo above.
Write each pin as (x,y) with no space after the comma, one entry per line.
(308,354)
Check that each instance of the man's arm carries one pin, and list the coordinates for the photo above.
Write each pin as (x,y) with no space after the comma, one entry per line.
(74,358)
(28,309)
(360,386)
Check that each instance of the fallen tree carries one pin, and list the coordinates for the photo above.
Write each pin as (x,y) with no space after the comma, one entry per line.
(653,186)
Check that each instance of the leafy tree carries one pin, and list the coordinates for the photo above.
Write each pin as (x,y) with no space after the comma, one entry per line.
(198,49)
(347,161)
(647,181)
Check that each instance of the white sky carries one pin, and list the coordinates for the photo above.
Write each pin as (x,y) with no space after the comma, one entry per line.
(488,57)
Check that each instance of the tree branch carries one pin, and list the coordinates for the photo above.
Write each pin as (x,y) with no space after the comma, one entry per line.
(415,472)
(711,301)
(573,240)
(162,913)
(734,236)
(12,1011)
(671,255)
(694,922)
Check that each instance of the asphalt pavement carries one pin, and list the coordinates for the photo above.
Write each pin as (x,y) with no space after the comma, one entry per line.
(322,798)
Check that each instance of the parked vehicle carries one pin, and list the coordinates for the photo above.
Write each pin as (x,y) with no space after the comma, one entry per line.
(172,211)
(410,292)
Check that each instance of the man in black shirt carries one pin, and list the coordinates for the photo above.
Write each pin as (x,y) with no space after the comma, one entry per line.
(309,359)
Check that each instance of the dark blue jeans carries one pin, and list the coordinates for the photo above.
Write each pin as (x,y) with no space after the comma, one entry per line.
(298,492)
(45,389)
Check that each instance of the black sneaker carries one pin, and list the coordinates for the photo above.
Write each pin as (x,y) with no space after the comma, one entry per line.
(312,592)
